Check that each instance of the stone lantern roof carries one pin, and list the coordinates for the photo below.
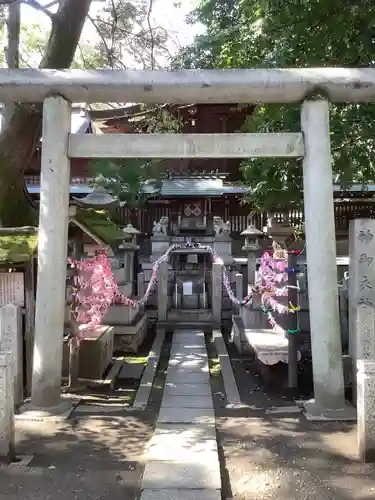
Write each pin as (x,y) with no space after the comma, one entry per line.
(252,231)
(130,229)
(99,198)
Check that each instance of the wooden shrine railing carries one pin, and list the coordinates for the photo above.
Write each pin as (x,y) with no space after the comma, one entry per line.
(239,218)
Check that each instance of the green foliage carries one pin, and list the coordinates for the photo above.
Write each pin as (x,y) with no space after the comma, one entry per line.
(134,180)
(287,34)
(126,179)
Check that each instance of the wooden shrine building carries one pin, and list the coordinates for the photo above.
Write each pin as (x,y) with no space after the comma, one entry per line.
(197,186)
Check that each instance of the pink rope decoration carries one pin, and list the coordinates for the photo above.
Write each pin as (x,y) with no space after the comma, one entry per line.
(272,282)
(95,288)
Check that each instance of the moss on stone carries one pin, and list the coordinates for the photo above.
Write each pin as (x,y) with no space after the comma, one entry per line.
(101,225)
(17,245)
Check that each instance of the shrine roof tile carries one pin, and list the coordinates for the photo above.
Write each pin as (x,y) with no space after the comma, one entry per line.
(192,187)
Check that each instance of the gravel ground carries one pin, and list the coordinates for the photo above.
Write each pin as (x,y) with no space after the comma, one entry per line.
(284,459)
(264,457)
(93,458)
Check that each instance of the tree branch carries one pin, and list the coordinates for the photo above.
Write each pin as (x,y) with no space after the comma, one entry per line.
(34,4)
(104,41)
(152,48)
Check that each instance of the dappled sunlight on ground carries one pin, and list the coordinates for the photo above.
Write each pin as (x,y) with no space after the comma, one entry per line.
(287,458)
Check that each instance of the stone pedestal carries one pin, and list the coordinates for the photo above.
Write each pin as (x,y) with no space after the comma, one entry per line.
(162,280)
(239,286)
(141,284)
(253,316)
(217,293)
(7,438)
(223,246)
(238,335)
(366,409)
(129,338)
(252,254)
(363,340)
(95,353)
(251,248)
(159,245)
(11,340)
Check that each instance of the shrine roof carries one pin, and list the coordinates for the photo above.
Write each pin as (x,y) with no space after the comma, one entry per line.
(80,122)
(194,186)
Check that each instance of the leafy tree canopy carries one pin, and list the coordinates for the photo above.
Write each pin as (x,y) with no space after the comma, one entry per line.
(125,35)
(288,34)
(135,180)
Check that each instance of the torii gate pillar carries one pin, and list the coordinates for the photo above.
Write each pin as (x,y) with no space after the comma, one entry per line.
(52,254)
(329,402)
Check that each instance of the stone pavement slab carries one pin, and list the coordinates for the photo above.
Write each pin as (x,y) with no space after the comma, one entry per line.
(190,443)
(193,432)
(188,356)
(186,401)
(172,475)
(186,350)
(187,389)
(192,343)
(185,368)
(188,363)
(198,338)
(181,495)
(190,333)
(187,415)
(177,376)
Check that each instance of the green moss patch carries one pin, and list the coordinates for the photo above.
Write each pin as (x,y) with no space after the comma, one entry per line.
(17,247)
(101,225)
(214,365)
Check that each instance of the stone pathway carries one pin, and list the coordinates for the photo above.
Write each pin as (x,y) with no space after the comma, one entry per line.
(183,461)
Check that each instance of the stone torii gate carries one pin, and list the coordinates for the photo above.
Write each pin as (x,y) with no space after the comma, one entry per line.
(59,88)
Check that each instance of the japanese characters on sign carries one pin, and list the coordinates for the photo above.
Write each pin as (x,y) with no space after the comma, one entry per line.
(365,236)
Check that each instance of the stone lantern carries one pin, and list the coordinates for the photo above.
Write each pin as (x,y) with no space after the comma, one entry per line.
(99,198)
(279,234)
(251,247)
(132,231)
(129,246)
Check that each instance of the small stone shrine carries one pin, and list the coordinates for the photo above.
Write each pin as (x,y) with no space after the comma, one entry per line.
(190,293)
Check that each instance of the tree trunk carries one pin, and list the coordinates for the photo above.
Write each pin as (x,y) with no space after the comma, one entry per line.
(12,50)
(19,141)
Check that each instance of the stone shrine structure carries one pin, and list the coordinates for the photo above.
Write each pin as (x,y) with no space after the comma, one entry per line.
(193,283)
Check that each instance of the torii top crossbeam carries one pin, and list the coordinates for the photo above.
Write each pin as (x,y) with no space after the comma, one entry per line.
(186,86)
